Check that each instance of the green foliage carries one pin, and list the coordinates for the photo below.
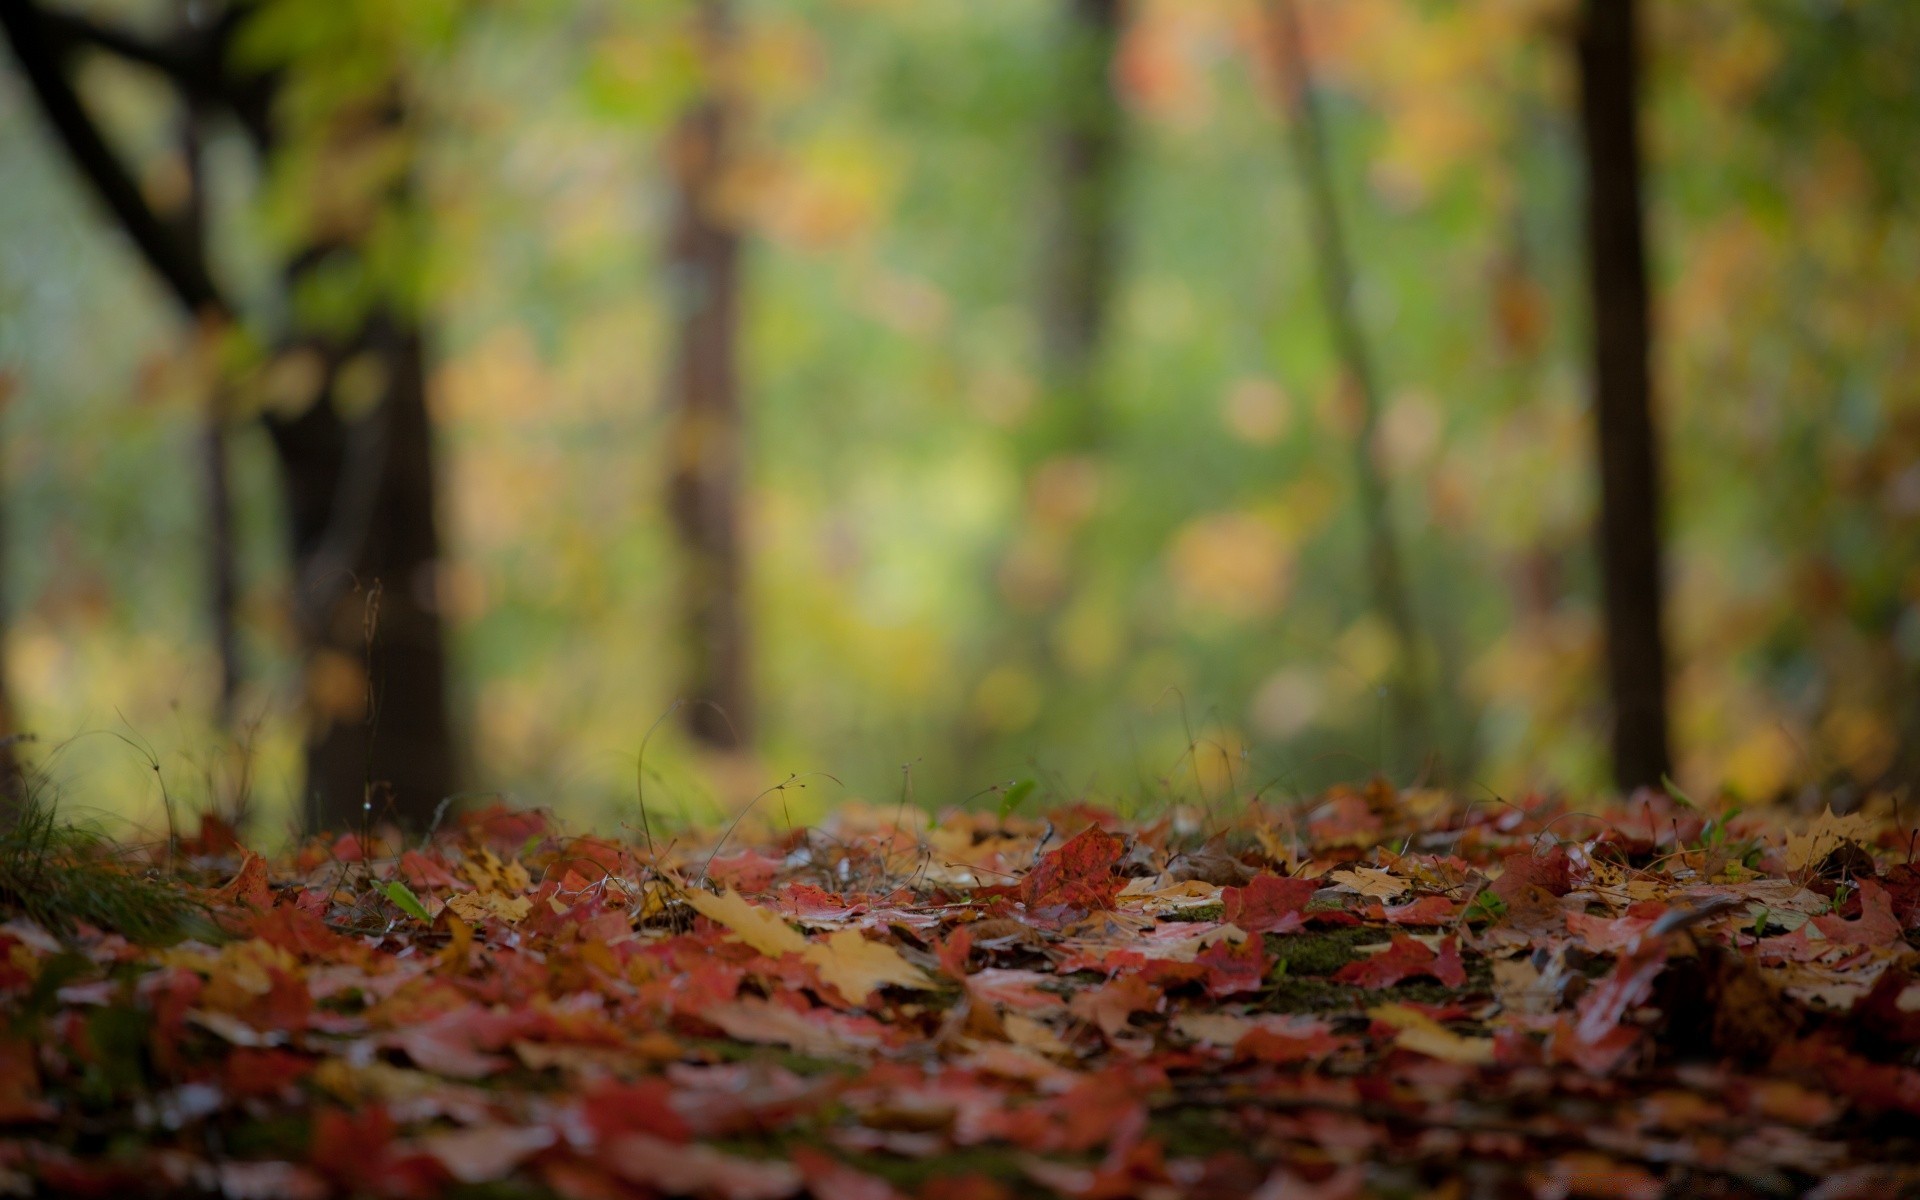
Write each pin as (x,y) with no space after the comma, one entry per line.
(60,874)
(404,899)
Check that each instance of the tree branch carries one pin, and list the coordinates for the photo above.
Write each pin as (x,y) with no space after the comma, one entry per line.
(177,61)
(42,51)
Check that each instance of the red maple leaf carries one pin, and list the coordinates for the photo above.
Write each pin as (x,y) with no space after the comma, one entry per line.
(1404,959)
(1232,967)
(1301,1041)
(1427,910)
(1550,872)
(1269,903)
(1078,877)
(1875,926)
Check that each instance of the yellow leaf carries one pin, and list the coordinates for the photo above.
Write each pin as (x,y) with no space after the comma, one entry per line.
(1037,1036)
(847,960)
(1828,834)
(1371,881)
(477,907)
(857,966)
(489,874)
(1424,1035)
(755,926)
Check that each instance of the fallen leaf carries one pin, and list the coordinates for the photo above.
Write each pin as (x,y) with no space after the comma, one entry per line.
(858,966)
(1269,903)
(1406,958)
(1827,834)
(1422,1034)
(1111,1006)
(1371,881)
(1076,877)
(758,927)
(485,1153)
(478,907)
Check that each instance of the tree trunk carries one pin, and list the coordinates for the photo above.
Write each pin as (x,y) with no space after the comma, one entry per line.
(1630,508)
(1079,250)
(706,442)
(366,549)
(222,577)
(13,782)
(1386,574)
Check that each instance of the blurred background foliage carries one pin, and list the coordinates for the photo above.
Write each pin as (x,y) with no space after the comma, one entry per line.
(937,576)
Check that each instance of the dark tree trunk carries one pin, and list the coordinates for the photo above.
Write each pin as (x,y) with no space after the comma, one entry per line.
(366,549)
(706,443)
(1077,258)
(222,576)
(1385,570)
(13,788)
(1630,504)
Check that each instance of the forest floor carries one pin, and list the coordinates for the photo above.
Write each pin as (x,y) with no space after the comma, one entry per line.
(1369,993)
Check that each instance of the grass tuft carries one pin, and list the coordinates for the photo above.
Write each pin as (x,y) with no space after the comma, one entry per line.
(61,875)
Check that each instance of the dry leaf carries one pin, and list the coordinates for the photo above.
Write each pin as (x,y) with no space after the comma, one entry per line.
(1371,881)
(489,874)
(758,927)
(478,906)
(1827,834)
(857,966)
(847,960)
(1424,1035)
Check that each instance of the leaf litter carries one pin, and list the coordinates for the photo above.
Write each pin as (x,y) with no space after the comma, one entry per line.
(1371,993)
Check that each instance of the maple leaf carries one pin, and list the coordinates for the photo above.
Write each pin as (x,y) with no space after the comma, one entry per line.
(1523,872)
(1416,1031)
(1268,904)
(1827,834)
(1403,959)
(859,966)
(1371,881)
(852,964)
(612,1108)
(248,887)
(1875,926)
(1110,1006)
(1268,1042)
(478,907)
(758,927)
(1610,935)
(1233,967)
(1427,910)
(1078,877)
(812,1034)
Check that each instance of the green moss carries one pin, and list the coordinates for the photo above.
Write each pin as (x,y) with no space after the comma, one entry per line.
(1196,1132)
(1322,952)
(272,1137)
(1203,912)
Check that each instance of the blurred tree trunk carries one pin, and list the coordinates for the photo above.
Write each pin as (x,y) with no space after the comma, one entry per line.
(13,789)
(1078,254)
(360,492)
(366,550)
(1411,693)
(222,577)
(1630,516)
(703,390)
